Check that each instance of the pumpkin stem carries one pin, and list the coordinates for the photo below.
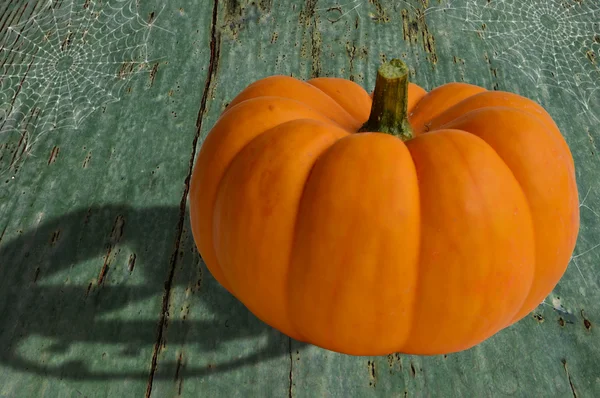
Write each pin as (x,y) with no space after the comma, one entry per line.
(390,101)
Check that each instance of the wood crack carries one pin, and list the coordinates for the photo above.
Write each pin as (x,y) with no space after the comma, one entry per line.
(5,13)
(212,69)
(564,362)
(2,234)
(105,267)
(291,377)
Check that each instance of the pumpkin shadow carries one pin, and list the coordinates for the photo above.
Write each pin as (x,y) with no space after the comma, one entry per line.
(51,304)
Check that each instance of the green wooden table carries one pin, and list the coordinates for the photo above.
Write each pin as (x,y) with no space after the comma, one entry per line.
(104,105)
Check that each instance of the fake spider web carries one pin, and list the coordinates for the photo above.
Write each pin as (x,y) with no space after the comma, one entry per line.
(553,42)
(68,60)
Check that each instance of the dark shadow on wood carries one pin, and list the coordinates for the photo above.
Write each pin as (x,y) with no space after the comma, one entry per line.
(36,300)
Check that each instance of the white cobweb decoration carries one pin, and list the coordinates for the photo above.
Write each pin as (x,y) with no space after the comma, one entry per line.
(67,60)
(553,42)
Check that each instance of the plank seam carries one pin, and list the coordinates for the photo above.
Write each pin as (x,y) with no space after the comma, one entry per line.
(290,395)
(212,69)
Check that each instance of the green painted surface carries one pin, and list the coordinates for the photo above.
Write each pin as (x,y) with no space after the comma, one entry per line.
(102,292)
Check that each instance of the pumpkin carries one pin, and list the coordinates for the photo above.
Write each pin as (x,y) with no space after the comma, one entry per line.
(413,222)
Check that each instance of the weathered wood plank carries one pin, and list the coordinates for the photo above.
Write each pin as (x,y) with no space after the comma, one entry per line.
(91,217)
(300,39)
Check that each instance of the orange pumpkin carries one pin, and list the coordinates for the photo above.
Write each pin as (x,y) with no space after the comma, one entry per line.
(416,222)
